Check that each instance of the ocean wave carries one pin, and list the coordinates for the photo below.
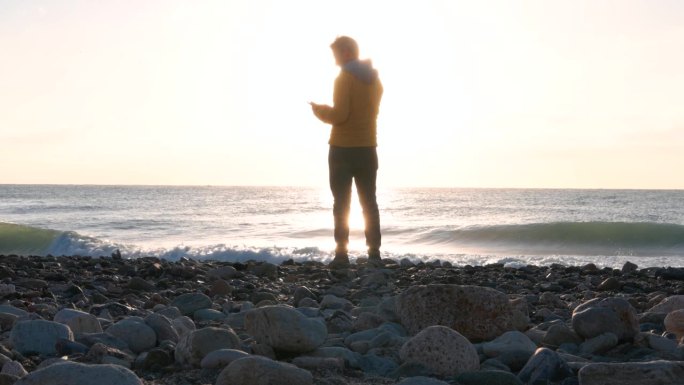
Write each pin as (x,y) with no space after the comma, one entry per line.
(616,237)
(540,244)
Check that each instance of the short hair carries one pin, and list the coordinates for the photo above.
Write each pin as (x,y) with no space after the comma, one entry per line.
(346,42)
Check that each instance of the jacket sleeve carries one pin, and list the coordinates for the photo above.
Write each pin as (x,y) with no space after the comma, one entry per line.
(339,112)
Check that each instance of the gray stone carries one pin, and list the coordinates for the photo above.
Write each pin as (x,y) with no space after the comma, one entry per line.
(478,313)
(38,336)
(442,350)
(14,368)
(183,325)
(162,327)
(102,338)
(633,373)
(302,292)
(208,315)
(73,373)
(599,316)
(372,364)
(330,301)
(137,283)
(194,346)
(13,310)
(489,377)
(223,272)
(135,332)
(599,344)
(560,334)
(170,312)
(421,380)
(221,358)
(285,329)
(191,302)
(78,321)
(257,370)
(545,365)
(667,305)
(350,358)
(509,341)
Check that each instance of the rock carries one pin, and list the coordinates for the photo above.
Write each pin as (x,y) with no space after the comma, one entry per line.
(669,304)
(350,358)
(330,301)
(599,316)
(221,358)
(629,267)
(73,373)
(489,377)
(220,287)
(633,373)
(442,350)
(13,310)
(135,333)
(509,341)
(373,365)
(8,379)
(367,321)
(319,363)
(421,380)
(191,302)
(78,321)
(183,325)
(6,289)
(7,321)
(512,359)
(559,334)
(478,313)
(286,329)
(38,336)
(545,365)
(208,315)
(14,368)
(224,272)
(170,312)
(137,283)
(156,359)
(599,344)
(194,346)
(257,370)
(162,327)
(102,338)
(302,292)
(265,269)
(609,284)
(674,323)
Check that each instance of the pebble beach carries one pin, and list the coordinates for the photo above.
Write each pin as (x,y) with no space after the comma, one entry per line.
(112,320)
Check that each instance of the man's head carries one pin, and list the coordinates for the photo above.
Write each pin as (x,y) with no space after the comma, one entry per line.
(345,49)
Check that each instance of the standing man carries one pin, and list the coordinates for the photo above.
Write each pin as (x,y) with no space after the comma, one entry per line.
(353,142)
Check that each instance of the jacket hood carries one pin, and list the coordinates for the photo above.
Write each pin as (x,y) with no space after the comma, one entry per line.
(362,70)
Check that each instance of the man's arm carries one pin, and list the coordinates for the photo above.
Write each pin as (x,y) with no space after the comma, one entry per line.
(339,112)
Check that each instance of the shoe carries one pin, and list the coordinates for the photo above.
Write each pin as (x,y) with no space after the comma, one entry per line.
(341,261)
(374,258)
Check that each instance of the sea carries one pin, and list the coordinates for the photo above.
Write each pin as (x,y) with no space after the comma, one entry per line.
(515,227)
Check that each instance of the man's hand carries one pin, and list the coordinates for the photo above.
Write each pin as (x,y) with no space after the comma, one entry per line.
(316,108)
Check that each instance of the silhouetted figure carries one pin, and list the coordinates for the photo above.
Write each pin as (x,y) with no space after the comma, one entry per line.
(353,143)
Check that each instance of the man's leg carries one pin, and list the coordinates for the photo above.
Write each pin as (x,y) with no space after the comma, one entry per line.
(340,185)
(365,176)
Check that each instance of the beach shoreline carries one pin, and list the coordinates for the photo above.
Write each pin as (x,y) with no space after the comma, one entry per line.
(349,301)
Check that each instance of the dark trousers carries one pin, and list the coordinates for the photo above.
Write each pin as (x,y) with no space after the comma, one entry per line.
(361,165)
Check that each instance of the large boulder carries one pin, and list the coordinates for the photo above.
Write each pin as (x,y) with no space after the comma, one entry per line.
(602,315)
(478,313)
(135,333)
(78,321)
(633,373)
(162,326)
(285,329)
(194,346)
(73,373)
(442,350)
(258,370)
(38,336)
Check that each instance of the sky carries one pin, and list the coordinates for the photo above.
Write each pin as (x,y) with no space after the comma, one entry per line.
(510,94)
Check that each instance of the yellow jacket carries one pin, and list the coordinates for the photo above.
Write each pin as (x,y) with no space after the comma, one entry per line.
(356,98)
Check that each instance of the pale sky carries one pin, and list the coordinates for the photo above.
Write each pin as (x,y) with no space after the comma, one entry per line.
(562,94)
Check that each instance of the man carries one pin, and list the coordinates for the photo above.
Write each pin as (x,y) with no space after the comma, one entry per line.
(352,154)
